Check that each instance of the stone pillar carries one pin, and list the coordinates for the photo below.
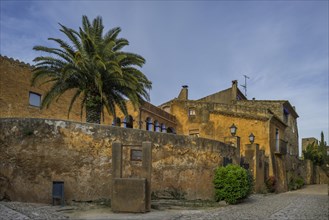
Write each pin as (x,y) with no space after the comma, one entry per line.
(147,171)
(309,177)
(261,169)
(252,157)
(234,141)
(116,160)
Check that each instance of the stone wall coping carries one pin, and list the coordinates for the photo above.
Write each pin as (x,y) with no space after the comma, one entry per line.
(214,144)
(12,60)
(240,115)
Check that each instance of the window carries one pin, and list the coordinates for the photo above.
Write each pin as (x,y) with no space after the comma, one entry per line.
(148,124)
(128,122)
(194,132)
(191,112)
(35,99)
(157,127)
(116,122)
(277,140)
(163,128)
(285,115)
(171,130)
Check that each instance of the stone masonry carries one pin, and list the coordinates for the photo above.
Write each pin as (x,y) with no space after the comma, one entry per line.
(35,152)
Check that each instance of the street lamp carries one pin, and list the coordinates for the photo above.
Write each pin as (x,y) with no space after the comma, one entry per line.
(251,138)
(233,129)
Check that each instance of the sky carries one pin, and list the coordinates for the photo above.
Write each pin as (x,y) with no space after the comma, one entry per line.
(282,46)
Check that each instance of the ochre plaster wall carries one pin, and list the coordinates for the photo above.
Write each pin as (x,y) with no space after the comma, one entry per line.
(215,125)
(14,94)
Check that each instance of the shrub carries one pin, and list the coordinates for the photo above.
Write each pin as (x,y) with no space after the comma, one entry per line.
(271,184)
(232,183)
(295,182)
(300,182)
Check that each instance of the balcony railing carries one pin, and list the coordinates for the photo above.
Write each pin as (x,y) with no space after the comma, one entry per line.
(280,146)
(158,111)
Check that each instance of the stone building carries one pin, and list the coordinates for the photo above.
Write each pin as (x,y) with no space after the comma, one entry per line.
(19,99)
(307,141)
(272,122)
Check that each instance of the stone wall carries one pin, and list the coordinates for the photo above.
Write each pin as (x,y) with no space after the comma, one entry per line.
(313,174)
(35,152)
(320,176)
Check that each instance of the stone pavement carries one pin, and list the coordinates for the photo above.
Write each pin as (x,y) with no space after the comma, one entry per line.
(20,211)
(308,203)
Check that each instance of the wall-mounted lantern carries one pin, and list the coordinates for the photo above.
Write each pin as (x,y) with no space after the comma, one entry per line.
(251,138)
(233,129)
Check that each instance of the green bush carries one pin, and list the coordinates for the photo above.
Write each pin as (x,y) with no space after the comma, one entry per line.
(232,183)
(295,182)
(271,184)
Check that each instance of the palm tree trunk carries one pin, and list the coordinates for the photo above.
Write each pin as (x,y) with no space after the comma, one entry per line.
(93,109)
(93,114)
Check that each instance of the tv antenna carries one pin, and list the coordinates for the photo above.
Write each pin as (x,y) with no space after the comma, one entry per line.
(245,85)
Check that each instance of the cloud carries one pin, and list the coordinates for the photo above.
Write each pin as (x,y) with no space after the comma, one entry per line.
(281,46)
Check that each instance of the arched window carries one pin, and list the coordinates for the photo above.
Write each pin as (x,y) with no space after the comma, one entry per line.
(170,130)
(163,128)
(148,124)
(128,121)
(156,126)
(117,122)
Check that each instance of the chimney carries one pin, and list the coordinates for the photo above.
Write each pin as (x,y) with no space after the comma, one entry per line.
(183,95)
(234,90)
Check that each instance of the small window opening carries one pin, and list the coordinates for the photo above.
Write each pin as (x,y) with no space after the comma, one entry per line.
(35,99)
(191,112)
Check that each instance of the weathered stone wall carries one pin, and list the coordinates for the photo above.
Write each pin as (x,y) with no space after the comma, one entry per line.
(307,141)
(35,152)
(291,132)
(320,176)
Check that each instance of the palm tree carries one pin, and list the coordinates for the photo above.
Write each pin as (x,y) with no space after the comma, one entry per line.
(94,67)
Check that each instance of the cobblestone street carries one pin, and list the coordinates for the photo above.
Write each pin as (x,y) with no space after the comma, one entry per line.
(308,203)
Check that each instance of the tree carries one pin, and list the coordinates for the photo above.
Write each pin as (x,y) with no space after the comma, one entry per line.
(94,67)
(323,149)
(317,152)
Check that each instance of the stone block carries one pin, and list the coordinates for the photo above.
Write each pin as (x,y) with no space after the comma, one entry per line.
(129,195)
